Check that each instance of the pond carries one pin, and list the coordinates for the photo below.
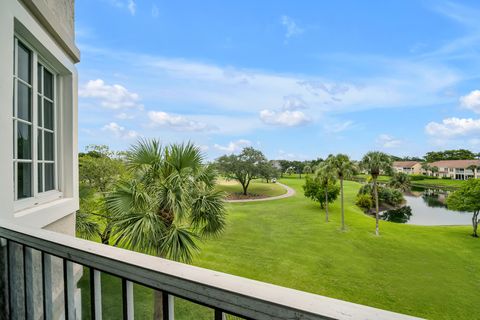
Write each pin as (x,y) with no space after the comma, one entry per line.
(429,209)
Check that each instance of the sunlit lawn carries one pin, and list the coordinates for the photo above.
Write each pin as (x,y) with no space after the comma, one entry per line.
(256,188)
(431,272)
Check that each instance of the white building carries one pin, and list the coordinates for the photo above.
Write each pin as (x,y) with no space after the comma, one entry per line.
(457,169)
(38,101)
(408,167)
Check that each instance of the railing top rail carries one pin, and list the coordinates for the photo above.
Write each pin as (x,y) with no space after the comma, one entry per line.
(237,295)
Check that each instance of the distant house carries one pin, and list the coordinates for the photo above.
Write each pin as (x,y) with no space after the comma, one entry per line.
(408,167)
(457,169)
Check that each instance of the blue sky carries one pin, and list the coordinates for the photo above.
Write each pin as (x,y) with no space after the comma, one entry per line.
(296,79)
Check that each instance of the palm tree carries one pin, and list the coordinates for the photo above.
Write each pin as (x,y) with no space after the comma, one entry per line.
(326,178)
(474,169)
(169,204)
(376,162)
(342,167)
(426,167)
(400,181)
(434,170)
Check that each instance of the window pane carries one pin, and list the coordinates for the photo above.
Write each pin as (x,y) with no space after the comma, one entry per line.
(39,110)
(49,176)
(40,177)
(47,84)
(39,145)
(24,180)
(24,141)
(39,78)
(48,114)
(24,65)
(49,146)
(24,102)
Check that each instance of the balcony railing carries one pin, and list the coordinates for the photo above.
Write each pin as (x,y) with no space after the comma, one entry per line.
(224,293)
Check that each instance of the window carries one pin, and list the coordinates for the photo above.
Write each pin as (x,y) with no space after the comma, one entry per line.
(34,134)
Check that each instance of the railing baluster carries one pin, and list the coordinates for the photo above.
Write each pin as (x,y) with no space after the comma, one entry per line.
(127,297)
(168,307)
(8,280)
(25,299)
(68,290)
(95,294)
(219,315)
(47,286)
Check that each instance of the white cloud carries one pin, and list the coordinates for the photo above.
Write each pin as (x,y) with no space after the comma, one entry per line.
(233,146)
(177,122)
(155,11)
(124,116)
(119,131)
(132,7)
(110,96)
(388,141)
(471,101)
(453,127)
(291,28)
(285,118)
(392,83)
(331,126)
(293,102)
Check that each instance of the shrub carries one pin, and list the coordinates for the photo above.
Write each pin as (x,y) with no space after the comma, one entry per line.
(386,195)
(364,201)
(400,215)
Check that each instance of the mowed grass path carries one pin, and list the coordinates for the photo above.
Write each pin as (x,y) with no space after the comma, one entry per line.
(256,187)
(430,272)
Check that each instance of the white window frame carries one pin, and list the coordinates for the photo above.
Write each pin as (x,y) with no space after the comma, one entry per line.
(37,198)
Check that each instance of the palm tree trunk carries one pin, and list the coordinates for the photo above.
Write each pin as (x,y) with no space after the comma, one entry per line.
(475,223)
(326,204)
(377,232)
(341,202)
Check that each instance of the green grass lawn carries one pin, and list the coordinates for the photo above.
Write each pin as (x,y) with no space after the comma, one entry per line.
(256,187)
(442,183)
(430,272)
(437,183)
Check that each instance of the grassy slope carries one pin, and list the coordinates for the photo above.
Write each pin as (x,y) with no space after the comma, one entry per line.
(432,272)
(256,187)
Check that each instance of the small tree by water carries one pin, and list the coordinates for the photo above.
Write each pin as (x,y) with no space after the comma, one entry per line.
(467,198)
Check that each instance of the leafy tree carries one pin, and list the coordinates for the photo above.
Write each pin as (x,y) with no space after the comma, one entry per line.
(98,172)
(467,198)
(268,171)
(168,204)
(344,168)
(307,169)
(375,162)
(460,154)
(326,179)
(400,181)
(433,170)
(290,171)
(320,191)
(243,167)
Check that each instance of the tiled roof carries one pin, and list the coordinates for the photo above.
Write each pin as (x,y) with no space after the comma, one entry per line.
(404,164)
(455,163)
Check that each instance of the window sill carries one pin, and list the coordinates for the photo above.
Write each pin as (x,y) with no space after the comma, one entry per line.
(42,199)
(43,214)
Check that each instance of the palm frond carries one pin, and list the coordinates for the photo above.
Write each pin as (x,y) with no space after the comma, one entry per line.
(86,227)
(208,214)
(179,244)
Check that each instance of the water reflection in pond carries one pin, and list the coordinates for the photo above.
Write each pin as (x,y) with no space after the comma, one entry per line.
(429,209)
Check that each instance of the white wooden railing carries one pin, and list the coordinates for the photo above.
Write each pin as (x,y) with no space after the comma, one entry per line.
(224,293)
